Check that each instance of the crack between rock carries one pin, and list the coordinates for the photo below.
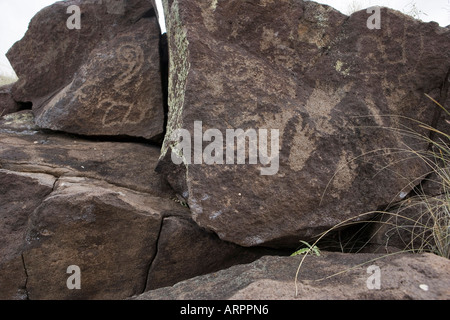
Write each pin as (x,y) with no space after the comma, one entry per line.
(152,259)
(71,174)
(54,185)
(26,277)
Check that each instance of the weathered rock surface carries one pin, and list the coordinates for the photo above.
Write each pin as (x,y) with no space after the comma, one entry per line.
(7,103)
(101,79)
(330,85)
(185,250)
(20,194)
(402,276)
(109,232)
(126,164)
(418,223)
(99,206)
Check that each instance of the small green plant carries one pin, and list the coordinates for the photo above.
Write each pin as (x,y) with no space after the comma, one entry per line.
(181,201)
(309,248)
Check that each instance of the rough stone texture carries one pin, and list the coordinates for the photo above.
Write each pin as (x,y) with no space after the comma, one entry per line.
(119,240)
(125,164)
(7,103)
(103,79)
(109,232)
(419,223)
(185,250)
(329,85)
(272,278)
(15,209)
(97,205)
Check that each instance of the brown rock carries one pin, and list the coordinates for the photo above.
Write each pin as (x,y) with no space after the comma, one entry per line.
(103,79)
(330,85)
(92,216)
(20,194)
(124,243)
(417,224)
(7,103)
(99,206)
(402,276)
(117,92)
(109,232)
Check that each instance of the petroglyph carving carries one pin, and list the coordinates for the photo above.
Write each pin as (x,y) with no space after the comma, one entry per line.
(112,104)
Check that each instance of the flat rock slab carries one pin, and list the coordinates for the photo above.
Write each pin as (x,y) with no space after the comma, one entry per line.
(20,194)
(402,276)
(108,232)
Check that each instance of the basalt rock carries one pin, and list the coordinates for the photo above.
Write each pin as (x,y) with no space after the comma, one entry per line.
(67,201)
(110,233)
(102,79)
(338,92)
(343,277)
(15,208)
(127,164)
(7,103)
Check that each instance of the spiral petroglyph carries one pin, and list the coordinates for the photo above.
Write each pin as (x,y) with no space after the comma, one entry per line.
(115,86)
(131,60)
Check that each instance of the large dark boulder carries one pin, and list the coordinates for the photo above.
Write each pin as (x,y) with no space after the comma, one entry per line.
(339,94)
(102,79)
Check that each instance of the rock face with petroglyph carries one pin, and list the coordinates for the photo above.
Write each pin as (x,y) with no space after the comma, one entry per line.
(102,79)
(93,202)
(327,82)
(7,103)
(79,186)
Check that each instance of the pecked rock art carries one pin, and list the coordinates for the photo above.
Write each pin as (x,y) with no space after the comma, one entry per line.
(338,92)
(113,93)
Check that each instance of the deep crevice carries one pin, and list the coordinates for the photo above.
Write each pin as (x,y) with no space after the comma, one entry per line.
(106,138)
(152,259)
(27,297)
(148,14)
